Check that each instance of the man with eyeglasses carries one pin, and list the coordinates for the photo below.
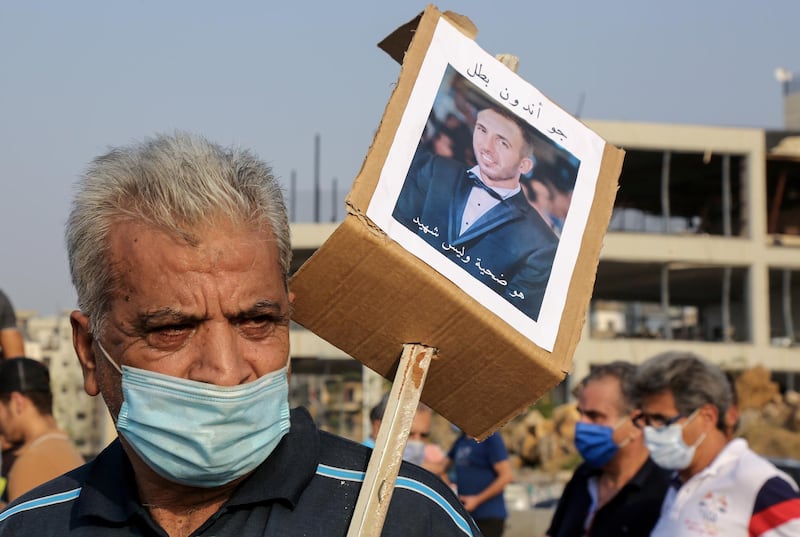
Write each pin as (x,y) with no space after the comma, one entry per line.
(618,489)
(720,486)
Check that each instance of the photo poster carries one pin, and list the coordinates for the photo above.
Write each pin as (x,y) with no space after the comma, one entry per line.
(513,248)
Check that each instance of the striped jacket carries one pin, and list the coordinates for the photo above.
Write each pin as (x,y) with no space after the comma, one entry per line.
(307,487)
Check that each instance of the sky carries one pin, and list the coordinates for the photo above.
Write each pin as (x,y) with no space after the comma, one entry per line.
(79,77)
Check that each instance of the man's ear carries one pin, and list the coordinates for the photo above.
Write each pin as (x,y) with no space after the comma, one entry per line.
(525,166)
(710,412)
(82,341)
(17,402)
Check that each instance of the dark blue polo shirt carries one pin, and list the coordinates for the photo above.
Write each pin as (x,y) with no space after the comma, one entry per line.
(307,487)
(632,511)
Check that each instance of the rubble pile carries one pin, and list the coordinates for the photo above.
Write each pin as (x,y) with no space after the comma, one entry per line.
(547,443)
(769,420)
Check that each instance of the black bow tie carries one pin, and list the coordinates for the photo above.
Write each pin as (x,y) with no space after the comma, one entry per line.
(480,184)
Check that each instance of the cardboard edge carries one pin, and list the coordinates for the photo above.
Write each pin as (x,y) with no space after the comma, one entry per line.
(414,38)
(397,43)
(583,278)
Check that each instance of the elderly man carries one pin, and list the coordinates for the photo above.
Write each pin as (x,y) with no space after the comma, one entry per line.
(721,487)
(618,489)
(179,251)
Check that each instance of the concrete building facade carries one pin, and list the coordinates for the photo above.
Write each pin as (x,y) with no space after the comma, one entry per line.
(702,254)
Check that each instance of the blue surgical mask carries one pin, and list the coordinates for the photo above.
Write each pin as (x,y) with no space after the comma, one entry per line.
(200,434)
(667,448)
(595,443)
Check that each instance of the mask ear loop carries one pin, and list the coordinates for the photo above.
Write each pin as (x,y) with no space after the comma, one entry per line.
(628,439)
(702,436)
(110,361)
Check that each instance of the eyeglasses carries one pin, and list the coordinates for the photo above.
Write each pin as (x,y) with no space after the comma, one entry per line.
(656,421)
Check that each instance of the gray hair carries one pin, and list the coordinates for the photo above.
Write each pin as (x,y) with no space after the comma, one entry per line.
(624,372)
(692,381)
(172,182)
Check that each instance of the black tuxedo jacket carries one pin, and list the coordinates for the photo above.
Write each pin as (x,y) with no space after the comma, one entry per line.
(510,248)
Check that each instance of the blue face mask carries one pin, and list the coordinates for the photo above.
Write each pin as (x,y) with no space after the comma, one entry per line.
(199,434)
(595,443)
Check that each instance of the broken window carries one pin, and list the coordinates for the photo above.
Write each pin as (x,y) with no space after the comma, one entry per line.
(783,187)
(784,298)
(670,301)
(676,192)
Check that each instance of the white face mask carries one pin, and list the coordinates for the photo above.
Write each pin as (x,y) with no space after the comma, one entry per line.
(414,452)
(667,448)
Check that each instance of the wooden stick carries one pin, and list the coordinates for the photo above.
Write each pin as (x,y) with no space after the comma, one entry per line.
(509,60)
(384,465)
(376,492)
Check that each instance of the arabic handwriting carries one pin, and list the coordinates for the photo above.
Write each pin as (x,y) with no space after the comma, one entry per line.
(446,246)
(488,272)
(506,96)
(533,109)
(459,252)
(478,73)
(558,132)
(517,294)
(426,229)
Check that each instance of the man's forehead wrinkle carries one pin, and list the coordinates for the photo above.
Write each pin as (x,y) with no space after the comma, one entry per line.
(166,313)
(171,313)
(265,304)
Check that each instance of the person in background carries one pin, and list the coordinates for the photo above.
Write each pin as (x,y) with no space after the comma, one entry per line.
(441,143)
(180,254)
(419,449)
(720,486)
(540,197)
(549,188)
(563,186)
(617,490)
(482,470)
(375,418)
(26,418)
(12,344)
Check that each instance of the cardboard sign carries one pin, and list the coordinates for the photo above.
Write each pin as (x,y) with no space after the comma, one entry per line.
(497,279)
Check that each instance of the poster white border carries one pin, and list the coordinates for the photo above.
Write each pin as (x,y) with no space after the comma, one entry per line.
(449,47)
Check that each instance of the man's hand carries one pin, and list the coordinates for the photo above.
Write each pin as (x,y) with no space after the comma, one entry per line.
(470,502)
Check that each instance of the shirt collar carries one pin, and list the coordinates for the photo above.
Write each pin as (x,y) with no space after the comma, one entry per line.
(288,470)
(733,450)
(505,193)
